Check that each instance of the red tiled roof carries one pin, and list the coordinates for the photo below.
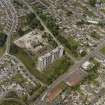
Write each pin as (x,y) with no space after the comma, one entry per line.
(76,77)
(54,93)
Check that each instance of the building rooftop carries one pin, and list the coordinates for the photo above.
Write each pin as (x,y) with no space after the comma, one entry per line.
(76,77)
(51,95)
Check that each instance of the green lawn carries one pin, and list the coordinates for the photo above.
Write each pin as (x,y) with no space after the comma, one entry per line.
(53,71)
(3,38)
(24,57)
(2,50)
(57,68)
(103,50)
(50,22)
(10,102)
(37,93)
(73,45)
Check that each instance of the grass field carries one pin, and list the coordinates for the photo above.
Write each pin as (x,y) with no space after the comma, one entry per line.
(10,102)
(24,57)
(51,73)
(103,50)
(2,50)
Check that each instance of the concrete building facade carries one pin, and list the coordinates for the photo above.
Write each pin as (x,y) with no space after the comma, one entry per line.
(49,58)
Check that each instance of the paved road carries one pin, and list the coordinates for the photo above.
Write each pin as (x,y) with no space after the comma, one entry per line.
(27,72)
(92,53)
(12,18)
(10,12)
(12,22)
(42,23)
(77,65)
(46,28)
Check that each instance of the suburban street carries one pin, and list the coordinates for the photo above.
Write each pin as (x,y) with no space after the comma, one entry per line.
(12,18)
(95,51)
(77,64)
(27,72)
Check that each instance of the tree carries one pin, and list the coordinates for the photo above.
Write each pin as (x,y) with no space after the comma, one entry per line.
(3,38)
(92,2)
(13,49)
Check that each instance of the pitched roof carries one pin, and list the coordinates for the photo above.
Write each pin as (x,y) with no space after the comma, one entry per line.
(54,93)
(76,77)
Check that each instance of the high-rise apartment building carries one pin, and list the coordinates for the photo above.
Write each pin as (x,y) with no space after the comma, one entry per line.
(49,58)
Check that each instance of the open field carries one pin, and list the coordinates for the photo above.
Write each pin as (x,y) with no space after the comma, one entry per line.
(103,50)
(51,73)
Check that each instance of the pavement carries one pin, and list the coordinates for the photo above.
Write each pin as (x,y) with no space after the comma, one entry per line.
(94,52)
(13,19)
(27,72)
